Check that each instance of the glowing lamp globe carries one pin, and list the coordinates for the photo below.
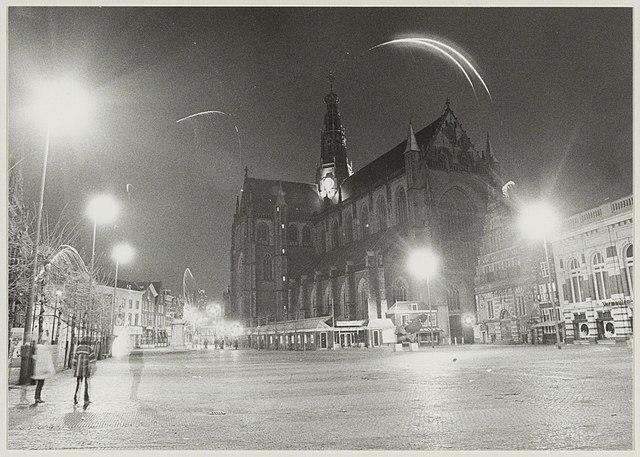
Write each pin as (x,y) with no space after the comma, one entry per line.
(122,253)
(538,221)
(63,104)
(103,209)
(423,263)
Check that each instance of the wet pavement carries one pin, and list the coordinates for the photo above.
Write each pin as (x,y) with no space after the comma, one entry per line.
(489,397)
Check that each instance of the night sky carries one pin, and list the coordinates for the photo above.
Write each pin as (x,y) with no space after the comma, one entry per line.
(560,121)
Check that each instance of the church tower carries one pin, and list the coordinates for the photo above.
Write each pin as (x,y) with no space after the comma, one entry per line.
(334,165)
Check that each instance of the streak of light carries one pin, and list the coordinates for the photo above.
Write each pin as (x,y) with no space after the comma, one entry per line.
(202,113)
(235,126)
(461,56)
(420,42)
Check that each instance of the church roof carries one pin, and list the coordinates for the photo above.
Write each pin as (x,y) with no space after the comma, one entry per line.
(300,197)
(389,164)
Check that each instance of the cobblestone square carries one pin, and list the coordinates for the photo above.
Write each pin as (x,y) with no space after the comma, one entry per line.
(472,397)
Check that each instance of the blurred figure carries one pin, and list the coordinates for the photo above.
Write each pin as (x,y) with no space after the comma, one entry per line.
(84,366)
(235,344)
(206,343)
(136,366)
(42,368)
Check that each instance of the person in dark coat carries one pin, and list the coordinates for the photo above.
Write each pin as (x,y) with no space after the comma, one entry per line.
(83,367)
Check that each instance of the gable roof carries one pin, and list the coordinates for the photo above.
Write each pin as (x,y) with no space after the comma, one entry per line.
(301,197)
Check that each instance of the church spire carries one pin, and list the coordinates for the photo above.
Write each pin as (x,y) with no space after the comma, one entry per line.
(334,165)
(412,143)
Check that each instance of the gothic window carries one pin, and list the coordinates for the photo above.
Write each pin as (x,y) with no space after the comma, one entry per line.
(364,221)
(335,235)
(399,290)
(453,299)
(363,299)
(306,235)
(382,213)
(597,276)
(490,309)
(348,227)
(343,302)
(267,268)
(292,235)
(327,302)
(262,233)
(401,206)
(628,263)
(576,291)
(520,306)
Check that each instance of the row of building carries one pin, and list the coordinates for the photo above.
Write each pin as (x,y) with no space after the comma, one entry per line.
(143,312)
(323,264)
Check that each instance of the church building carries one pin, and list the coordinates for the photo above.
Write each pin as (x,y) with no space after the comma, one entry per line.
(320,264)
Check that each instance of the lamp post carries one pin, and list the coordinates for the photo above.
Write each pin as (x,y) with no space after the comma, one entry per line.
(102,209)
(423,265)
(122,253)
(61,106)
(538,221)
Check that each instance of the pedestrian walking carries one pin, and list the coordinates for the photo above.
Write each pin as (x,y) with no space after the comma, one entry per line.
(84,366)
(42,368)
(136,367)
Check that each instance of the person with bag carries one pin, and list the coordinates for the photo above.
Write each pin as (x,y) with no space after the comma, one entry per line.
(84,366)
(42,368)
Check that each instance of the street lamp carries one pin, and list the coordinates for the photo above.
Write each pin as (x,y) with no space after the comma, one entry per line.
(423,265)
(61,106)
(122,253)
(102,209)
(538,221)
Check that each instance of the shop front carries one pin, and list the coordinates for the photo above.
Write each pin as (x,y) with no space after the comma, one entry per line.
(599,321)
(303,334)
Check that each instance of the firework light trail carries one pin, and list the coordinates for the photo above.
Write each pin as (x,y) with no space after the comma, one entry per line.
(204,113)
(447,51)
